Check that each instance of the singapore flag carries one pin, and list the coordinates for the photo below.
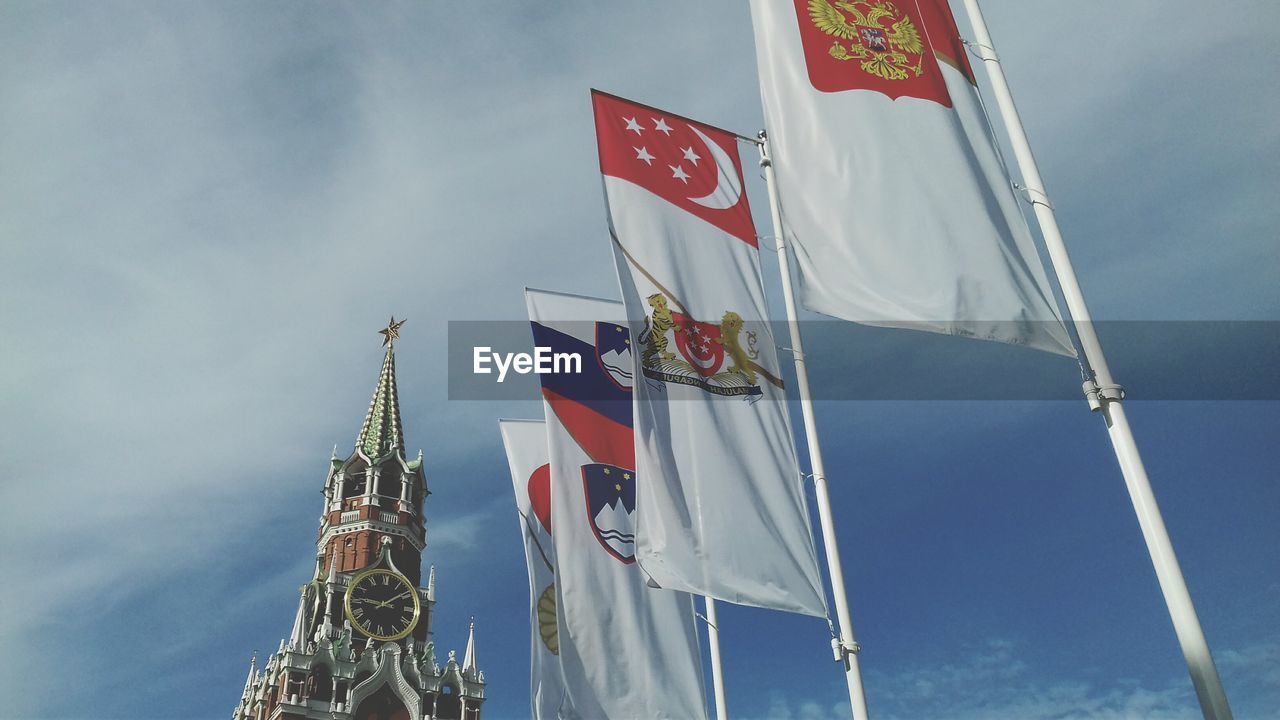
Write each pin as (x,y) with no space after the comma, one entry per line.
(721,510)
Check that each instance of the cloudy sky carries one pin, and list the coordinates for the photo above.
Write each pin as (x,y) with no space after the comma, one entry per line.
(207,210)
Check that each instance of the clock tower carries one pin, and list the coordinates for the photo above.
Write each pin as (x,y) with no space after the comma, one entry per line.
(362,647)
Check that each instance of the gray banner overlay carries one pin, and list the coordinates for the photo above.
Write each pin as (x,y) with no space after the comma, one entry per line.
(1161,360)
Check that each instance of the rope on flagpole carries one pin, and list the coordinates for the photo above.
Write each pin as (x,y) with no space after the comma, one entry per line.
(809,479)
(1032,196)
(761,240)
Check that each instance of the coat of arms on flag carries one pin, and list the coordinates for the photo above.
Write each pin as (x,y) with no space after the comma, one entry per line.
(539,486)
(719,358)
(613,353)
(611,505)
(869,45)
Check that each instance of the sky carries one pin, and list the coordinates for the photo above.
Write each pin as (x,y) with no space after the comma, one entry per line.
(208,210)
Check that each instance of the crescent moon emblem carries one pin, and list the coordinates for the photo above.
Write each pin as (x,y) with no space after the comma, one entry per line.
(728,190)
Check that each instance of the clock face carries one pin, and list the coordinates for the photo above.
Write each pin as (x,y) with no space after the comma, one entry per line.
(382,604)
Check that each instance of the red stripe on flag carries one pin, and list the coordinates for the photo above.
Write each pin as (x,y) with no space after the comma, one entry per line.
(603,440)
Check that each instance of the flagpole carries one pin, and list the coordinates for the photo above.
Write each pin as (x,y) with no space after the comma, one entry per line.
(717,669)
(846,648)
(1105,395)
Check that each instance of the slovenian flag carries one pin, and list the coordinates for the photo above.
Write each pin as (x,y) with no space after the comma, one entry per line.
(626,649)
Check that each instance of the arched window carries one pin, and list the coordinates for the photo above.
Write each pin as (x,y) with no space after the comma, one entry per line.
(320,684)
(355,481)
(449,703)
(382,705)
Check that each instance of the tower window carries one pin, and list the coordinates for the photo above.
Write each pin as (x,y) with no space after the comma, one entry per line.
(320,684)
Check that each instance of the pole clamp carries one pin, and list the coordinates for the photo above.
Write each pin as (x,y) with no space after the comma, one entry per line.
(840,649)
(1098,395)
(762,138)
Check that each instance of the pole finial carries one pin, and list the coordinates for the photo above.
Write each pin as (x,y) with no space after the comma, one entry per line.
(391,333)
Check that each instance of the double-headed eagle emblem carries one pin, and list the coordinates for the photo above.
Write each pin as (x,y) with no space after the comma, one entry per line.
(893,51)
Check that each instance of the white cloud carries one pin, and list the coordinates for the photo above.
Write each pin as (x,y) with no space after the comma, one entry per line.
(458,535)
(205,211)
(994,683)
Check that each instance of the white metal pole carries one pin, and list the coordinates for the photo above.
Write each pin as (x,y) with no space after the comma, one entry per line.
(717,669)
(846,648)
(1104,395)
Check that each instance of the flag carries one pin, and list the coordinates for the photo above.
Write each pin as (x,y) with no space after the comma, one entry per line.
(626,649)
(898,207)
(722,510)
(526,444)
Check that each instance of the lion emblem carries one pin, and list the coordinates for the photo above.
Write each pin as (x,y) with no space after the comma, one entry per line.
(730,328)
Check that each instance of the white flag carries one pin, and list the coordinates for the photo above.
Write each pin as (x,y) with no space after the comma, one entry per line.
(722,508)
(891,189)
(526,444)
(626,650)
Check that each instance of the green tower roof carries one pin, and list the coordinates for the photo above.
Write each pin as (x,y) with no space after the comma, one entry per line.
(382,431)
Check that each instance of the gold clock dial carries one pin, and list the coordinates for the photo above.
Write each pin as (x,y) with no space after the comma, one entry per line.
(382,604)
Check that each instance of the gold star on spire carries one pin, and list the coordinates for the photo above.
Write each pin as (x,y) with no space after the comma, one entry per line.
(392,332)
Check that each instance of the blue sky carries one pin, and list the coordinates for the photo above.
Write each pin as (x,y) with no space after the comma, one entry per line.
(206,212)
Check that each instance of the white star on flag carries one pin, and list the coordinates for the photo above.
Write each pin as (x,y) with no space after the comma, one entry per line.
(677,172)
(690,155)
(634,126)
(661,126)
(643,154)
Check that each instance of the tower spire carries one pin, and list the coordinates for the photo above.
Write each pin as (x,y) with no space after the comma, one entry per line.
(253,670)
(381,432)
(298,638)
(469,658)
